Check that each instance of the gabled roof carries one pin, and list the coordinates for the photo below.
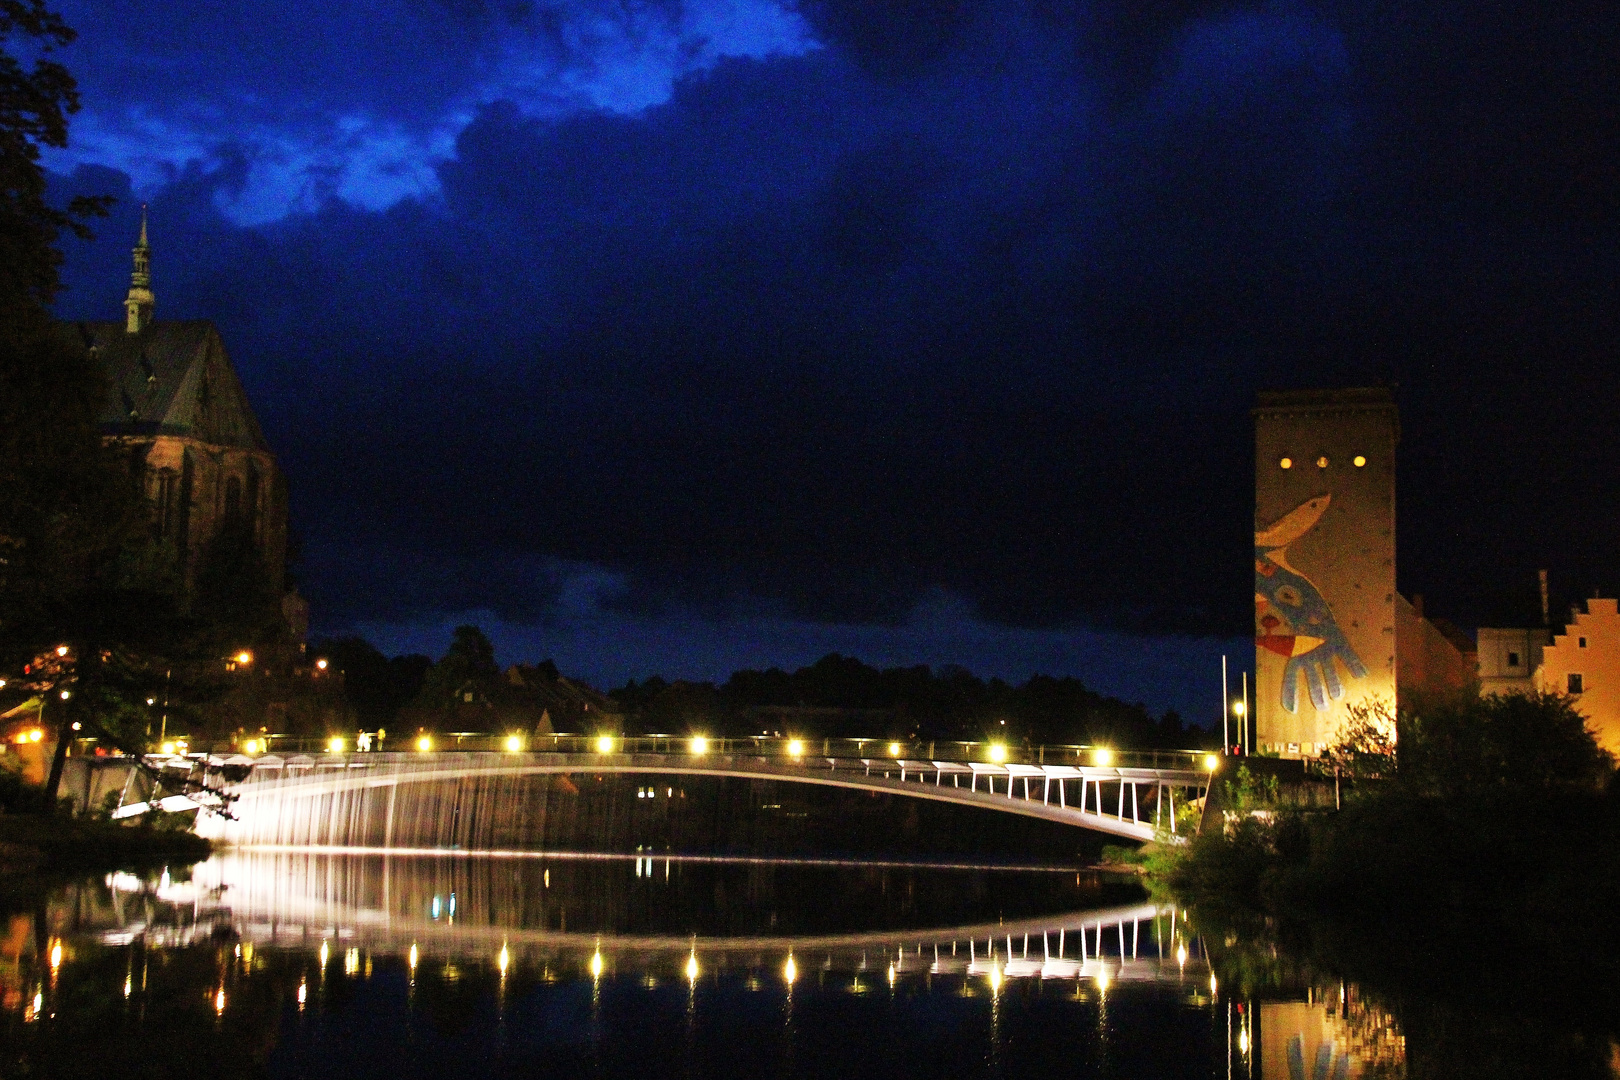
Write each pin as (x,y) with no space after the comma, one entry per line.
(172,378)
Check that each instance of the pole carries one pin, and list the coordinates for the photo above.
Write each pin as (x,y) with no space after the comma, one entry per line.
(1226,711)
(1246,745)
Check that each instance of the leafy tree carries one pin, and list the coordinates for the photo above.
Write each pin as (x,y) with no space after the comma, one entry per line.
(1467,746)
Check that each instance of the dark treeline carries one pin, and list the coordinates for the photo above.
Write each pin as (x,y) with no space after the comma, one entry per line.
(839,697)
(836,697)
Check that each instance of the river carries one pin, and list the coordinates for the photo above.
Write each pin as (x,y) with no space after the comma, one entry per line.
(281,964)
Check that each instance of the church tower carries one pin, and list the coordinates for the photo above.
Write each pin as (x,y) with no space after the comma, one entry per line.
(139,303)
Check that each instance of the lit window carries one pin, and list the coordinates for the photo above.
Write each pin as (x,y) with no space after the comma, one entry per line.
(1322,462)
(1359,461)
(1286,463)
(1576,683)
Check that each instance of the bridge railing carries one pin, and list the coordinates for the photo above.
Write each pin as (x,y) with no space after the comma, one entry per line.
(787,749)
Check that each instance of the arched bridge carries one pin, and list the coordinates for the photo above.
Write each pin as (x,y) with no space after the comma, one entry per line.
(365,799)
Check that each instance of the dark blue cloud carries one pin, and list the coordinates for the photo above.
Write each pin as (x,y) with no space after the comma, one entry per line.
(966,297)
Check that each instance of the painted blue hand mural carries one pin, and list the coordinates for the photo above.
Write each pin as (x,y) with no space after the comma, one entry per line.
(1293,620)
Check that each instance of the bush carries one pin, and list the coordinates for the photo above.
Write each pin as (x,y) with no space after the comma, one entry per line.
(1466,746)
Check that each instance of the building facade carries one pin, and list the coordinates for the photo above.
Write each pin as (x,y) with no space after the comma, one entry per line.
(1509,657)
(1584,662)
(1324,562)
(179,411)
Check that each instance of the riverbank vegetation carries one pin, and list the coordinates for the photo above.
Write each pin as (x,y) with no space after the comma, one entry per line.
(1498,814)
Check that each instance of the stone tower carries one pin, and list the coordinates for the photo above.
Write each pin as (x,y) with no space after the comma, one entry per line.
(1324,562)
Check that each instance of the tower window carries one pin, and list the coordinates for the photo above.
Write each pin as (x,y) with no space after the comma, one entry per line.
(1583,642)
(1513,659)
(1576,683)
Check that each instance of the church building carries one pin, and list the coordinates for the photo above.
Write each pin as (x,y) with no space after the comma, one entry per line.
(178,408)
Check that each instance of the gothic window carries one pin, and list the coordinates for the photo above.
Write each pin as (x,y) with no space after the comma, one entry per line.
(233,503)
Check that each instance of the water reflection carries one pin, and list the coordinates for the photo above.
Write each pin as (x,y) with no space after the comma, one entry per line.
(364,966)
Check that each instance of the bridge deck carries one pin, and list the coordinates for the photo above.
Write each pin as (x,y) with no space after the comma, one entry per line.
(1129,802)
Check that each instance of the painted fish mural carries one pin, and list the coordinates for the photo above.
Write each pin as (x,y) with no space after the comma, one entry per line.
(1291,618)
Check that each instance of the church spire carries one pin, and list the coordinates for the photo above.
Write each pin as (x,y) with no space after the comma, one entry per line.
(140,301)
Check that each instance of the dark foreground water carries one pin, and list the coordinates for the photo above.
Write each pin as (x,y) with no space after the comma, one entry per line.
(285,965)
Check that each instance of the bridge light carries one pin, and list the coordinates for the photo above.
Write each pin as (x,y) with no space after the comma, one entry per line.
(66,694)
(894,749)
(1237,708)
(244,657)
(250,746)
(1211,762)
(514,743)
(998,752)
(699,745)
(167,748)
(795,748)
(36,735)
(604,744)
(334,745)
(425,743)
(790,970)
(1102,757)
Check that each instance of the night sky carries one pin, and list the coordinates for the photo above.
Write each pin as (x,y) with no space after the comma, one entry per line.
(677,337)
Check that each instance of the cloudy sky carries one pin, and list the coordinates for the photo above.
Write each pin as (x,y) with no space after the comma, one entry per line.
(679,336)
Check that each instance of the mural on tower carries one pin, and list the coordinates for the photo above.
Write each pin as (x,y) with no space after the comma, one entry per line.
(1324,563)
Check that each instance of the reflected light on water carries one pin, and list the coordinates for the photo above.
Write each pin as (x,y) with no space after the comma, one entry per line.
(56,956)
(303,992)
(995,978)
(325,953)
(415,955)
(790,970)
(219,1001)
(1102,979)
(596,964)
(692,967)
(504,960)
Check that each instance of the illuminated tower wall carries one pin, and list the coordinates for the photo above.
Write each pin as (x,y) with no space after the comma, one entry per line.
(1324,562)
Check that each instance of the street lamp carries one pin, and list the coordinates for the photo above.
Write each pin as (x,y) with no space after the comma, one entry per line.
(998,752)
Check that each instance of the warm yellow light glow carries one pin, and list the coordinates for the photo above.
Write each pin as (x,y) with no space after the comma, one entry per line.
(1237,708)
(334,745)
(596,964)
(504,960)
(1359,462)
(1322,462)
(604,744)
(303,992)
(1213,985)
(1243,1040)
(326,952)
(320,665)
(998,752)
(514,743)
(1102,757)
(894,749)
(128,985)
(1102,979)
(1211,762)
(995,978)
(219,1000)
(790,970)
(1286,463)
(351,961)
(36,735)
(692,968)
(1181,955)
(61,650)
(56,956)
(425,743)
(66,694)
(795,748)
(699,745)
(414,956)
(891,976)
(244,657)
(167,748)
